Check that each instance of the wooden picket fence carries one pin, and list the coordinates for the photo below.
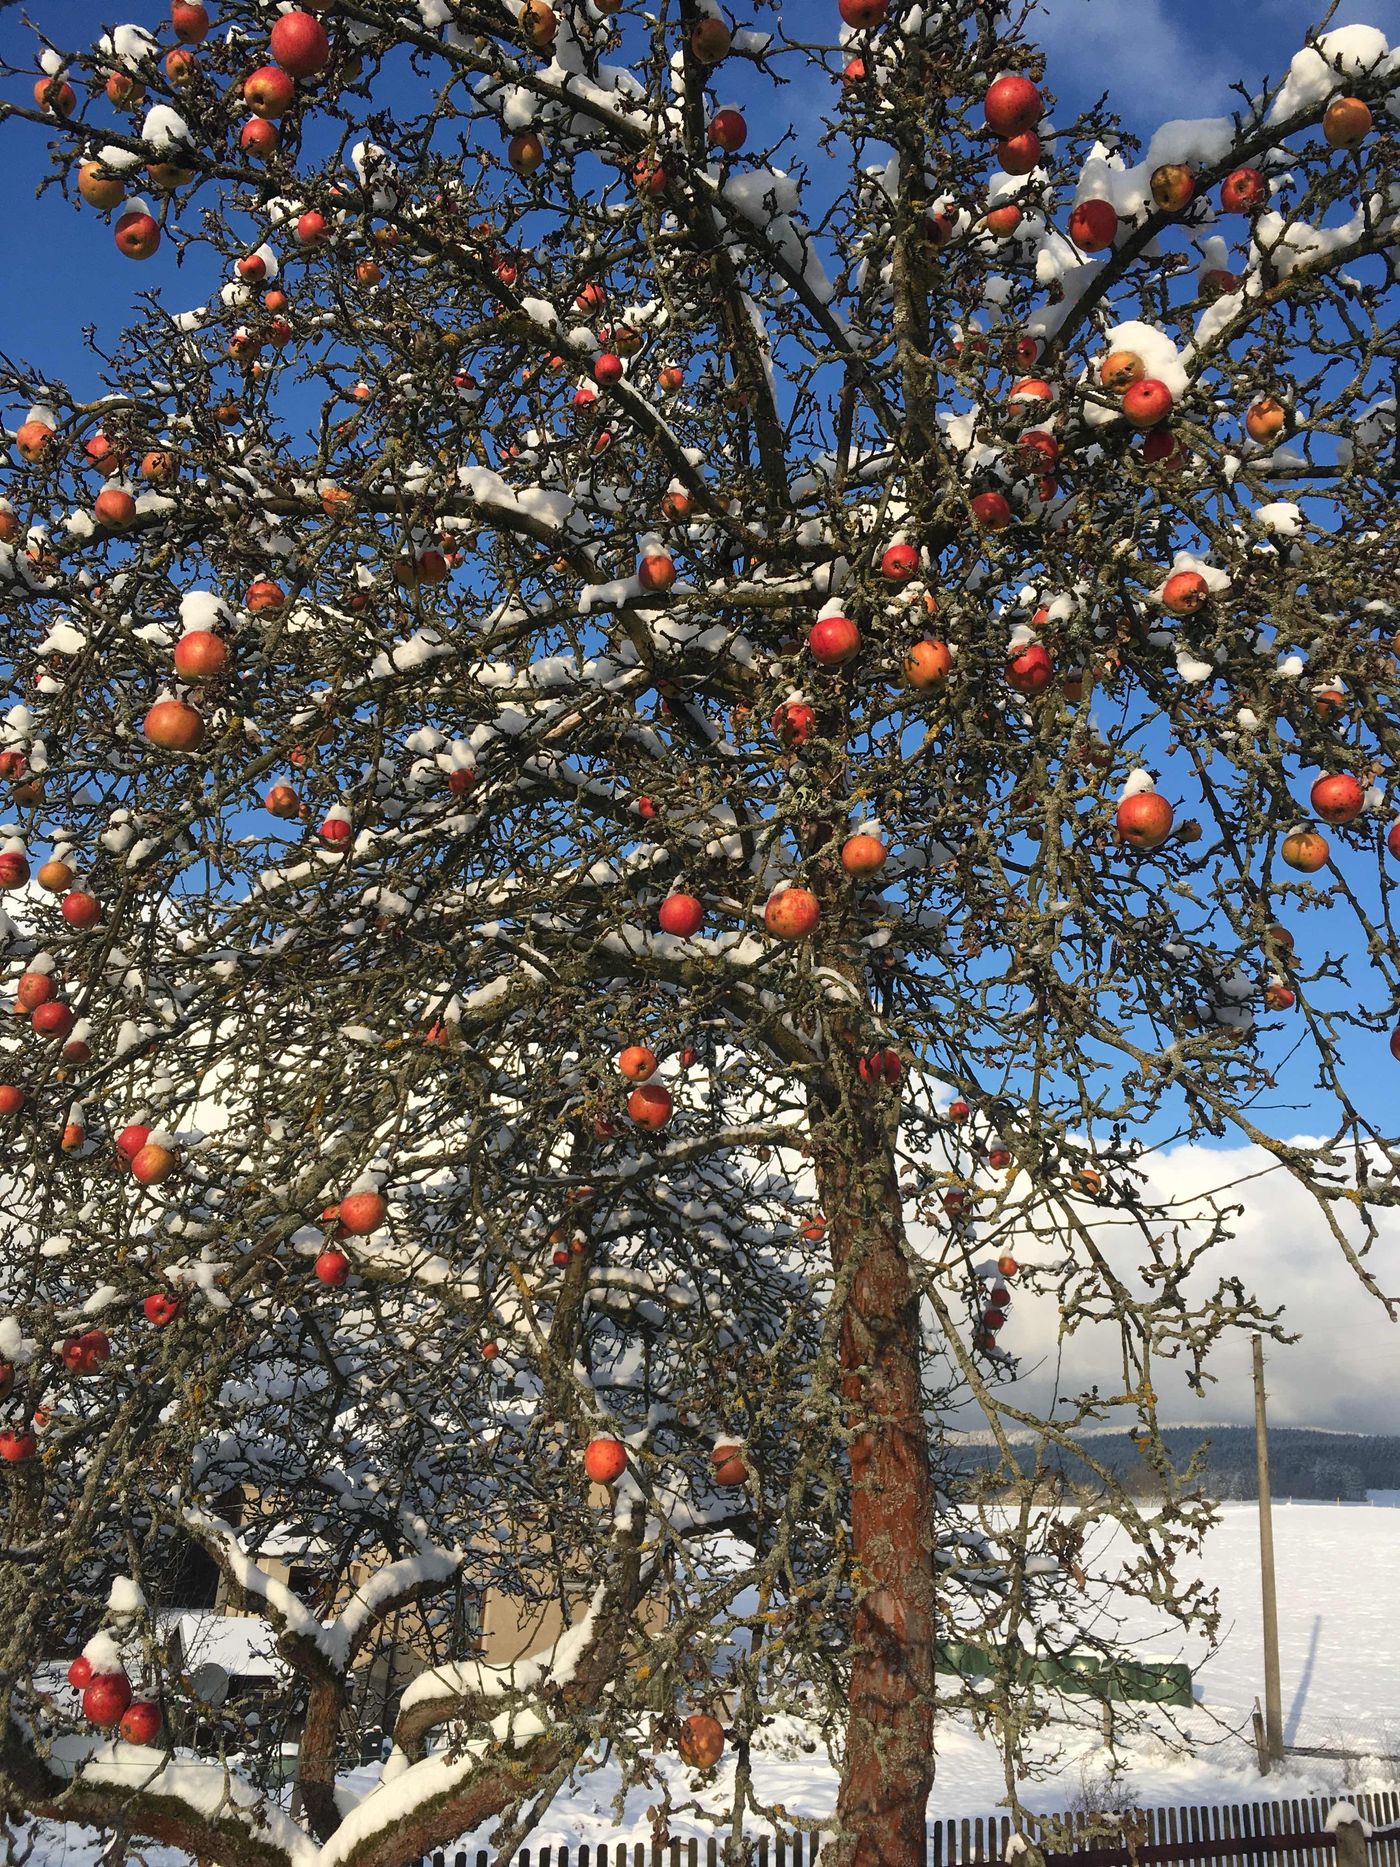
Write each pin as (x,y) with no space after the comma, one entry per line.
(1293,1833)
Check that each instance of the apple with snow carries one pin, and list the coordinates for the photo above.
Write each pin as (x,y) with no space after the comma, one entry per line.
(833,641)
(1144,820)
(664,703)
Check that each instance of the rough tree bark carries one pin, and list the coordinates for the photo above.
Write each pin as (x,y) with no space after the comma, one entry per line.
(888,1771)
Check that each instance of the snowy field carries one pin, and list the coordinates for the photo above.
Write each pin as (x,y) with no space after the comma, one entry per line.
(1339,1592)
(1339,1637)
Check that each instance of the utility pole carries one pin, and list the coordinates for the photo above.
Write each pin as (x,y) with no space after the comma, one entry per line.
(1273,1693)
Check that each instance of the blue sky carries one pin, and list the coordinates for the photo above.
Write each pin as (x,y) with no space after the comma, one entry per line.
(1157,59)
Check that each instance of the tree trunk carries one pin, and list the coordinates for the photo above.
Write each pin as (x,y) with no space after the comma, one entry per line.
(887,1773)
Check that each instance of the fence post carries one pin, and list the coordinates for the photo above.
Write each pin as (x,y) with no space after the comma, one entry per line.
(1351,1841)
(1261,1742)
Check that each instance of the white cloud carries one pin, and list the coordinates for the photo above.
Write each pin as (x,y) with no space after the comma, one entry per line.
(1344,1371)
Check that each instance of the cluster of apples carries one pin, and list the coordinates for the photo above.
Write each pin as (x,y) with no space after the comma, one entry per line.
(354,1215)
(605,1460)
(108,1702)
(300,49)
(650,1104)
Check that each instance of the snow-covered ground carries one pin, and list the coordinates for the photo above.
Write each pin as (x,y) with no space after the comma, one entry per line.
(1339,1638)
(1339,1592)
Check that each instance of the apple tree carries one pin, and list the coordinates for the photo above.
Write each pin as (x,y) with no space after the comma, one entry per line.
(654,746)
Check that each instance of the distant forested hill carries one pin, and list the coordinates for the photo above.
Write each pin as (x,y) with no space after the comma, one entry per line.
(1302,1463)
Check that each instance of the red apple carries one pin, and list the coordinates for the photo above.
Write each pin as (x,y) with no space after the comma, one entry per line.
(200,655)
(1012,104)
(86,1353)
(1144,820)
(607,370)
(728,131)
(833,640)
(1093,225)
(160,1309)
(1030,669)
(1161,448)
(17,1444)
(1147,402)
(80,909)
(106,1697)
(331,1268)
(1392,841)
(1266,419)
(656,571)
(681,914)
(12,1100)
(1216,282)
(98,188)
(792,913)
(927,664)
(637,1063)
(175,726)
(649,1105)
(56,96)
(54,1019)
(32,440)
(299,44)
(539,24)
(1018,155)
(899,563)
(103,456)
(710,40)
(131,1140)
(701,1741)
(1185,592)
(114,508)
(649,177)
(268,92)
(1345,122)
(792,723)
(34,989)
(362,1213)
(14,869)
(604,1460)
(729,1465)
(140,1722)
(863,15)
(137,235)
(863,854)
(259,137)
(1338,798)
(154,1164)
(1242,191)
(79,1671)
(992,511)
(265,597)
(190,19)
(880,1066)
(1172,185)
